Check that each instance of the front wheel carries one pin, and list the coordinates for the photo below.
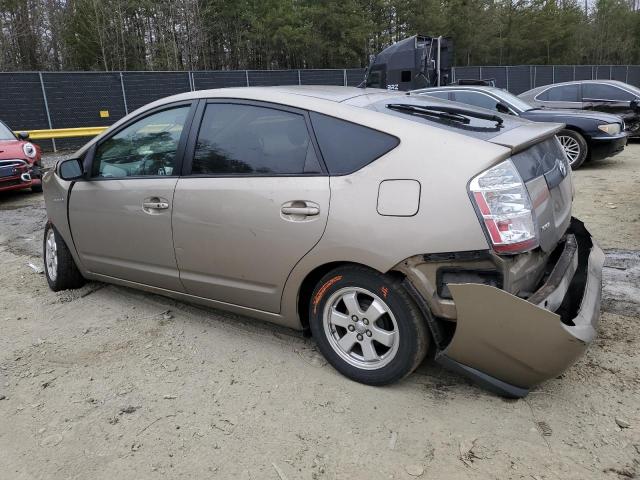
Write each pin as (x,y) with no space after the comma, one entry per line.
(575,147)
(367,326)
(60,268)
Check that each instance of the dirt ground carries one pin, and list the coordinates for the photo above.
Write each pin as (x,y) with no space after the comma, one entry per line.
(107,382)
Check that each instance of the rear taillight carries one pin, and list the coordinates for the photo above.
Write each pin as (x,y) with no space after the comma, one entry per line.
(504,205)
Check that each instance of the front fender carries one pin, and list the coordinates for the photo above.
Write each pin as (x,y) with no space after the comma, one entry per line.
(56,198)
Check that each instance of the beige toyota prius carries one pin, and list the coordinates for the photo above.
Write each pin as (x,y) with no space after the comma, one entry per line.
(386,225)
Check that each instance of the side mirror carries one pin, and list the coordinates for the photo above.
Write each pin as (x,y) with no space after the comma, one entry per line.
(23,135)
(634,104)
(502,108)
(70,169)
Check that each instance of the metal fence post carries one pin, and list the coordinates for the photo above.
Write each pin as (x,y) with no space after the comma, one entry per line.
(246,74)
(553,74)
(574,73)
(507,75)
(190,79)
(530,77)
(124,95)
(344,71)
(626,77)
(299,79)
(480,72)
(46,107)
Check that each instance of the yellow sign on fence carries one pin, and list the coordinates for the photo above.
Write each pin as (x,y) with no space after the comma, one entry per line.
(104,113)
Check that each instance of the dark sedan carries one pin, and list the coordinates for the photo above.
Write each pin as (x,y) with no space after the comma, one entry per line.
(587,136)
(608,96)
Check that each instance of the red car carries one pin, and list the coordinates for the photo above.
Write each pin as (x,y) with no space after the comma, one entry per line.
(20,161)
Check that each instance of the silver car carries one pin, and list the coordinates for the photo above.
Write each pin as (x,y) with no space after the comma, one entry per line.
(385,225)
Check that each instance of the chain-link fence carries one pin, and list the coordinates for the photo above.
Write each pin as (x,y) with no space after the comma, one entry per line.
(33,100)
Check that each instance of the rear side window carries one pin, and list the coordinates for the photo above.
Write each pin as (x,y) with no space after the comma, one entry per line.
(601,91)
(441,95)
(476,99)
(347,147)
(564,93)
(238,139)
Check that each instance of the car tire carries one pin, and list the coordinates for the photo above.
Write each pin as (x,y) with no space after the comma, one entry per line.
(376,351)
(575,146)
(36,188)
(59,267)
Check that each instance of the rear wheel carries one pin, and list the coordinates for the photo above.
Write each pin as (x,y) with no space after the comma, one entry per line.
(36,188)
(575,147)
(367,326)
(59,266)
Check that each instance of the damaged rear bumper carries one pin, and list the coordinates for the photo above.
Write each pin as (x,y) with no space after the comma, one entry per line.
(509,344)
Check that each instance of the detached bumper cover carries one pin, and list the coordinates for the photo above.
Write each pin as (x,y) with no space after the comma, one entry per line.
(509,344)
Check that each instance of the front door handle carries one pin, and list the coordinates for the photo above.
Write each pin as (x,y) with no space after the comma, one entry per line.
(307,211)
(299,210)
(155,205)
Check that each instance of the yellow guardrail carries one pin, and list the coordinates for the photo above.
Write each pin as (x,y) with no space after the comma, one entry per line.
(65,133)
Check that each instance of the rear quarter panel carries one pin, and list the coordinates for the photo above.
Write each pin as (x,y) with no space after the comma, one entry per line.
(443,163)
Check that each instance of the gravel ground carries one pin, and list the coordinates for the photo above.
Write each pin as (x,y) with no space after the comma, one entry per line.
(107,382)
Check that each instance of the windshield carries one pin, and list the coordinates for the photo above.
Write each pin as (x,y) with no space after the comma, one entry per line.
(512,100)
(5,133)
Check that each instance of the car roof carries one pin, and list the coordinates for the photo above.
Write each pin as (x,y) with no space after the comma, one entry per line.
(481,88)
(332,93)
(575,82)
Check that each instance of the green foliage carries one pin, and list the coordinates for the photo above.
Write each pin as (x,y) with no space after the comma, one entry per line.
(272,34)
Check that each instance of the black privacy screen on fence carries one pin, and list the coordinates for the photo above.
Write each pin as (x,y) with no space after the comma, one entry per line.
(34,101)
(520,78)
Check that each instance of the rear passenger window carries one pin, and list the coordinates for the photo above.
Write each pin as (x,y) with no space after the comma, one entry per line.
(564,93)
(601,91)
(238,139)
(347,147)
(441,95)
(477,99)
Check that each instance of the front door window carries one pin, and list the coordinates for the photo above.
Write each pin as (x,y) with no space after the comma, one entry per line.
(146,147)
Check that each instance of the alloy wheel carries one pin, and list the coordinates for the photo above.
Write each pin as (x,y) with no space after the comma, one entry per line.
(571,148)
(361,328)
(51,255)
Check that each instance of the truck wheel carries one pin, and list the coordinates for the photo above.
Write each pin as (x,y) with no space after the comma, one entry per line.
(60,269)
(367,326)
(575,147)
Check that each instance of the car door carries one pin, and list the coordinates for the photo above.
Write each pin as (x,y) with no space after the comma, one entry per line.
(608,98)
(120,216)
(253,201)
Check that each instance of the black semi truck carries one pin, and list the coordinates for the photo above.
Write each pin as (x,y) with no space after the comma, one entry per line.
(415,62)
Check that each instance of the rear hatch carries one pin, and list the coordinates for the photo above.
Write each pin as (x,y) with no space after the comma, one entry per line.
(543,166)
(535,151)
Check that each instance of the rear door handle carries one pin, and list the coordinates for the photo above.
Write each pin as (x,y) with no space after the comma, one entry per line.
(155,205)
(307,211)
